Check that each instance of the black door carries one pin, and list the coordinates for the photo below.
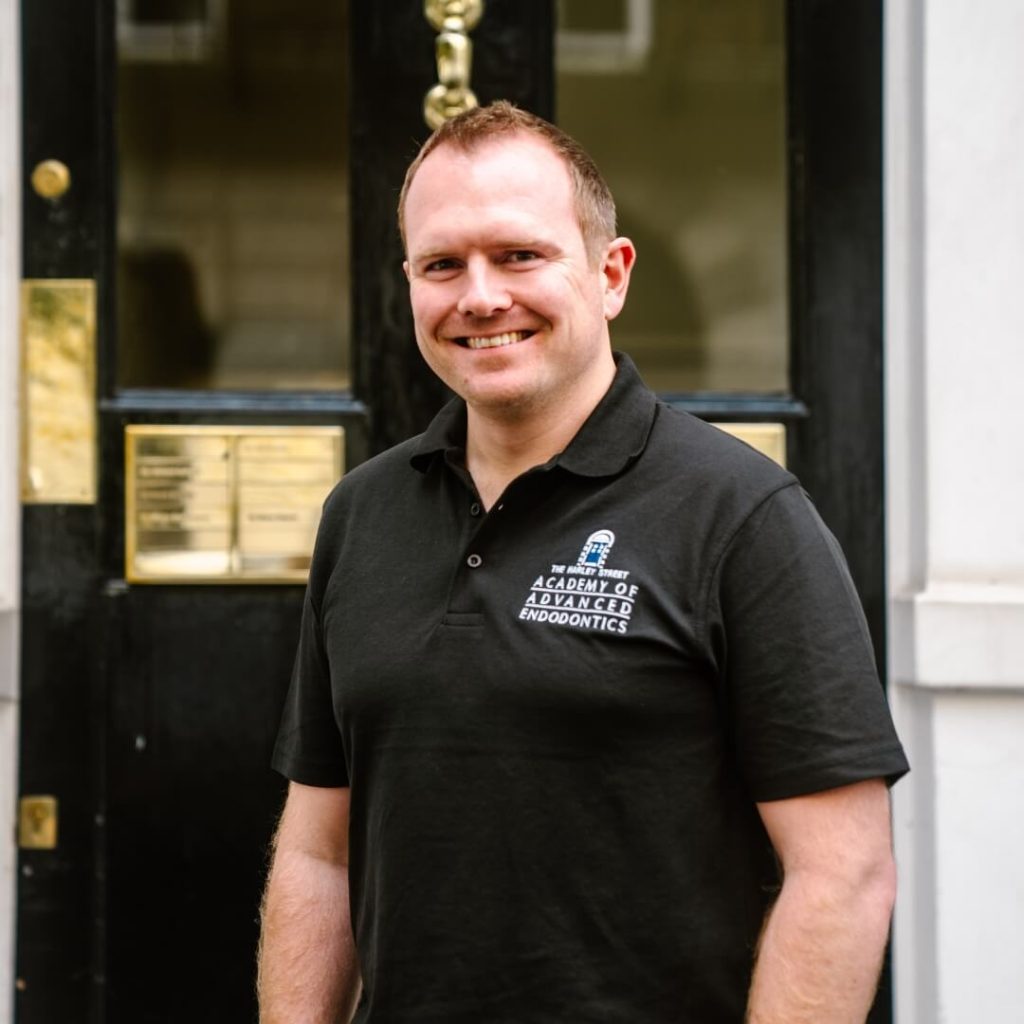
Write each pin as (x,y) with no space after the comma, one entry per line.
(234,169)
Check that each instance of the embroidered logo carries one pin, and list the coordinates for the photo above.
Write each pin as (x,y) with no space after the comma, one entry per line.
(586,596)
(595,551)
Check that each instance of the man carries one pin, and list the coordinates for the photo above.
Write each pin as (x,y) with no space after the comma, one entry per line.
(577,673)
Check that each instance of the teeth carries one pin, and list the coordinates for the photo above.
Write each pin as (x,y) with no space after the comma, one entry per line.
(498,340)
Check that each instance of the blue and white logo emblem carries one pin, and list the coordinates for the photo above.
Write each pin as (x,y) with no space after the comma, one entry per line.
(595,551)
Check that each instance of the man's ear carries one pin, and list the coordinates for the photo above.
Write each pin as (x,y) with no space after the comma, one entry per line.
(616,268)
(405,267)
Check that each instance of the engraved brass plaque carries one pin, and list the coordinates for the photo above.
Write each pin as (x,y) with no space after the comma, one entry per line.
(58,358)
(768,438)
(226,504)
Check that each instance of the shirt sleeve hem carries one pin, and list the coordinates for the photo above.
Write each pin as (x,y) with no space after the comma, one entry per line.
(889,764)
(307,773)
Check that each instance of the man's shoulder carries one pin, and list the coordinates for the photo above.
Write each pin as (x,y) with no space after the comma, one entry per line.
(368,494)
(684,447)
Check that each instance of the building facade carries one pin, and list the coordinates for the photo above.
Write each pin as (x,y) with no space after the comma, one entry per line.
(954,245)
(832,230)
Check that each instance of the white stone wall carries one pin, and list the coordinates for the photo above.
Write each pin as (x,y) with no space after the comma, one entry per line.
(955,433)
(10,272)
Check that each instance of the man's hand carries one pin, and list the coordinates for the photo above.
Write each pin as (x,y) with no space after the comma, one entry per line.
(307,964)
(822,946)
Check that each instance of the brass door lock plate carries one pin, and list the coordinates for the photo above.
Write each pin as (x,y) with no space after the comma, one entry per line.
(37,823)
(58,324)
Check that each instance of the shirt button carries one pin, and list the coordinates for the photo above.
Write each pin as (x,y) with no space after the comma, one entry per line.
(475,509)
(474,561)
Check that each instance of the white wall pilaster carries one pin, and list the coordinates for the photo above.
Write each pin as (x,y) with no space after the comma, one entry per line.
(10,510)
(955,436)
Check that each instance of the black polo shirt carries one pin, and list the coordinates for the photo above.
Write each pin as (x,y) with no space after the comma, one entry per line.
(556,717)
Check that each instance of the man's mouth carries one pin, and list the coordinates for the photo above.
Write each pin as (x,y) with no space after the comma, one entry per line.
(495,340)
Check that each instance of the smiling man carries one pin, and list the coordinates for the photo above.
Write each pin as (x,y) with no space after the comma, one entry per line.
(584,723)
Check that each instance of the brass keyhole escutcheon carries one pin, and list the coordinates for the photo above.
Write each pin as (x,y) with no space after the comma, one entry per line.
(37,823)
(51,179)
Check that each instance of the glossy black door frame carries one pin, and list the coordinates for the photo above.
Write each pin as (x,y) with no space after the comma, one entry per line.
(835,90)
(60,723)
(835,83)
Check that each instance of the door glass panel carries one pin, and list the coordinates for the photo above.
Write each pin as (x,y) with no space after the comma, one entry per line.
(233,262)
(682,105)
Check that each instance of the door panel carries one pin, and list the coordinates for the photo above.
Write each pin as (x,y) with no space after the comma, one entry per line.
(150,710)
(61,725)
(195,692)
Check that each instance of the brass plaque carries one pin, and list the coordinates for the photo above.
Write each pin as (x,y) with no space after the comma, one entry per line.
(226,504)
(58,354)
(768,438)
(37,823)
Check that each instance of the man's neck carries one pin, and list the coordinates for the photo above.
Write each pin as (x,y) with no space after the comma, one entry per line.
(502,446)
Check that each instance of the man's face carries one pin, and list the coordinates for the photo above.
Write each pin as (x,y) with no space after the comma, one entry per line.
(510,311)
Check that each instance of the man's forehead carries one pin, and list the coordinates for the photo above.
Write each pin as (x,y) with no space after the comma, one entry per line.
(520,148)
(511,185)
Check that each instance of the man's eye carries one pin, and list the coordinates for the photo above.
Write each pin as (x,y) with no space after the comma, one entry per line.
(440,265)
(521,256)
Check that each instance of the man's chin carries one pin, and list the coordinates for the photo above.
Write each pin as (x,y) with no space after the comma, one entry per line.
(504,399)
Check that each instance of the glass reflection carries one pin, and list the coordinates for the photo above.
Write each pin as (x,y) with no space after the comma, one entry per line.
(682,104)
(233,214)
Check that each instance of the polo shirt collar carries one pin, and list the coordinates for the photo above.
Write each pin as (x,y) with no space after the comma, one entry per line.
(611,437)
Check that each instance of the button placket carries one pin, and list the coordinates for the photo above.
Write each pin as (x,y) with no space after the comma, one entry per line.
(464,596)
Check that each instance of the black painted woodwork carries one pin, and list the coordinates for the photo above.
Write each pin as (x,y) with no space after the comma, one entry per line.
(392,68)
(836,299)
(60,722)
(60,730)
(149,711)
(836,238)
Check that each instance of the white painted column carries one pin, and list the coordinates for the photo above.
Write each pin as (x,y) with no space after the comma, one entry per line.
(955,504)
(10,509)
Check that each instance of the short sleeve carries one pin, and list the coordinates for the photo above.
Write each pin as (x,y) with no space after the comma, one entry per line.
(309,748)
(805,706)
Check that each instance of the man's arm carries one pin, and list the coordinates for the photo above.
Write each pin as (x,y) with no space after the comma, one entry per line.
(307,964)
(822,946)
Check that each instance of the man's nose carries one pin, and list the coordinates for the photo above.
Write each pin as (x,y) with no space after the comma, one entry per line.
(484,292)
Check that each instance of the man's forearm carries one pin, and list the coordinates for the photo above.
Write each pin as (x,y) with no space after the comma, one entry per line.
(822,949)
(308,972)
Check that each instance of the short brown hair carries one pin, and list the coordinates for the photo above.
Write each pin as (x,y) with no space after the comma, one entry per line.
(595,206)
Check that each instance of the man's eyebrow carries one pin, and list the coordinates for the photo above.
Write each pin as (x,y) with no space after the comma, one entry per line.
(498,244)
(522,243)
(432,254)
